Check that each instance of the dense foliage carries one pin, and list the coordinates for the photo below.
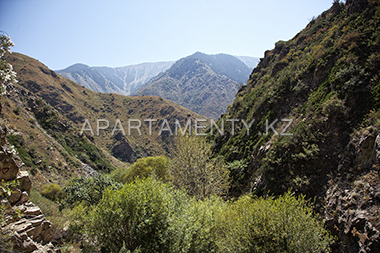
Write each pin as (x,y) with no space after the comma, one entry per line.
(155,166)
(151,216)
(87,191)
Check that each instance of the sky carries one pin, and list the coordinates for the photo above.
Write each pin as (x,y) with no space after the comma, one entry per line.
(116,33)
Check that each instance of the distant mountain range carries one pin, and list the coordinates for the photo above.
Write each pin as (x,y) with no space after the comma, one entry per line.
(206,84)
(203,83)
(251,62)
(121,80)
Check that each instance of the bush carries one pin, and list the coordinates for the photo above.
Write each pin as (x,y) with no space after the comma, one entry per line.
(284,224)
(204,224)
(51,191)
(138,216)
(87,191)
(334,108)
(148,166)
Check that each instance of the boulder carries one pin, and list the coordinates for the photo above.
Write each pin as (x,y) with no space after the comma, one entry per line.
(24,198)
(8,166)
(14,197)
(25,184)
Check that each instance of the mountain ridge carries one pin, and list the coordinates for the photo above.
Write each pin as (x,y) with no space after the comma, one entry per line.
(203,83)
(121,80)
(55,109)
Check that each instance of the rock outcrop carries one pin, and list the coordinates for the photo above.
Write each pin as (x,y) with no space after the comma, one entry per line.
(353,198)
(26,227)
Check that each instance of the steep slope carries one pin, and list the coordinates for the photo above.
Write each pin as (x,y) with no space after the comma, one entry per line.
(121,80)
(48,113)
(324,82)
(205,84)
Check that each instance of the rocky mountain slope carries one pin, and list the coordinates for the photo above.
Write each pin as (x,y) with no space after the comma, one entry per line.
(121,80)
(205,84)
(312,110)
(23,225)
(46,114)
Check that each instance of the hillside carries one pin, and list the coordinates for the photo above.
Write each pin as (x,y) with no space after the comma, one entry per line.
(121,80)
(45,114)
(313,102)
(205,84)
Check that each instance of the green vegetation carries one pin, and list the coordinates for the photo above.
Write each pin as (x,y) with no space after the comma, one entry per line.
(284,224)
(137,216)
(18,142)
(87,191)
(151,216)
(194,170)
(51,191)
(155,166)
(326,80)
(242,193)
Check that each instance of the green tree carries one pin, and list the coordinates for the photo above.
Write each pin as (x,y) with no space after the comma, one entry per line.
(193,168)
(156,166)
(204,224)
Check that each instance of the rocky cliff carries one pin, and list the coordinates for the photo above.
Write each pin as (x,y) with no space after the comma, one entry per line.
(23,225)
(313,105)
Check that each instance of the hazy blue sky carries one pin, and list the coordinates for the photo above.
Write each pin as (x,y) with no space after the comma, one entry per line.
(117,33)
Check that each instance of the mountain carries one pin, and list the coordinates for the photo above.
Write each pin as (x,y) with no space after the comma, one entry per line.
(205,84)
(308,122)
(251,62)
(56,125)
(224,65)
(121,80)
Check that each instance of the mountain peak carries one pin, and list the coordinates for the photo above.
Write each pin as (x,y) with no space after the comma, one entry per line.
(75,67)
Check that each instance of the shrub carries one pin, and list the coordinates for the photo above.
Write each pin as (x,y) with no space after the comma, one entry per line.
(334,107)
(118,174)
(87,191)
(138,216)
(204,224)
(51,191)
(148,166)
(284,224)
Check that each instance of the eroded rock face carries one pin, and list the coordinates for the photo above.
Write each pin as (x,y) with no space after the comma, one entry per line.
(352,207)
(352,213)
(8,166)
(24,182)
(124,152)
(30,231)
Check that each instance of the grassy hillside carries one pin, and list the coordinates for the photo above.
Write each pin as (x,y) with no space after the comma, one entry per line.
(46,113)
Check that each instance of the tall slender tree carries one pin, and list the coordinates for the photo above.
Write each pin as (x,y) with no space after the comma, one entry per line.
(193,169)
